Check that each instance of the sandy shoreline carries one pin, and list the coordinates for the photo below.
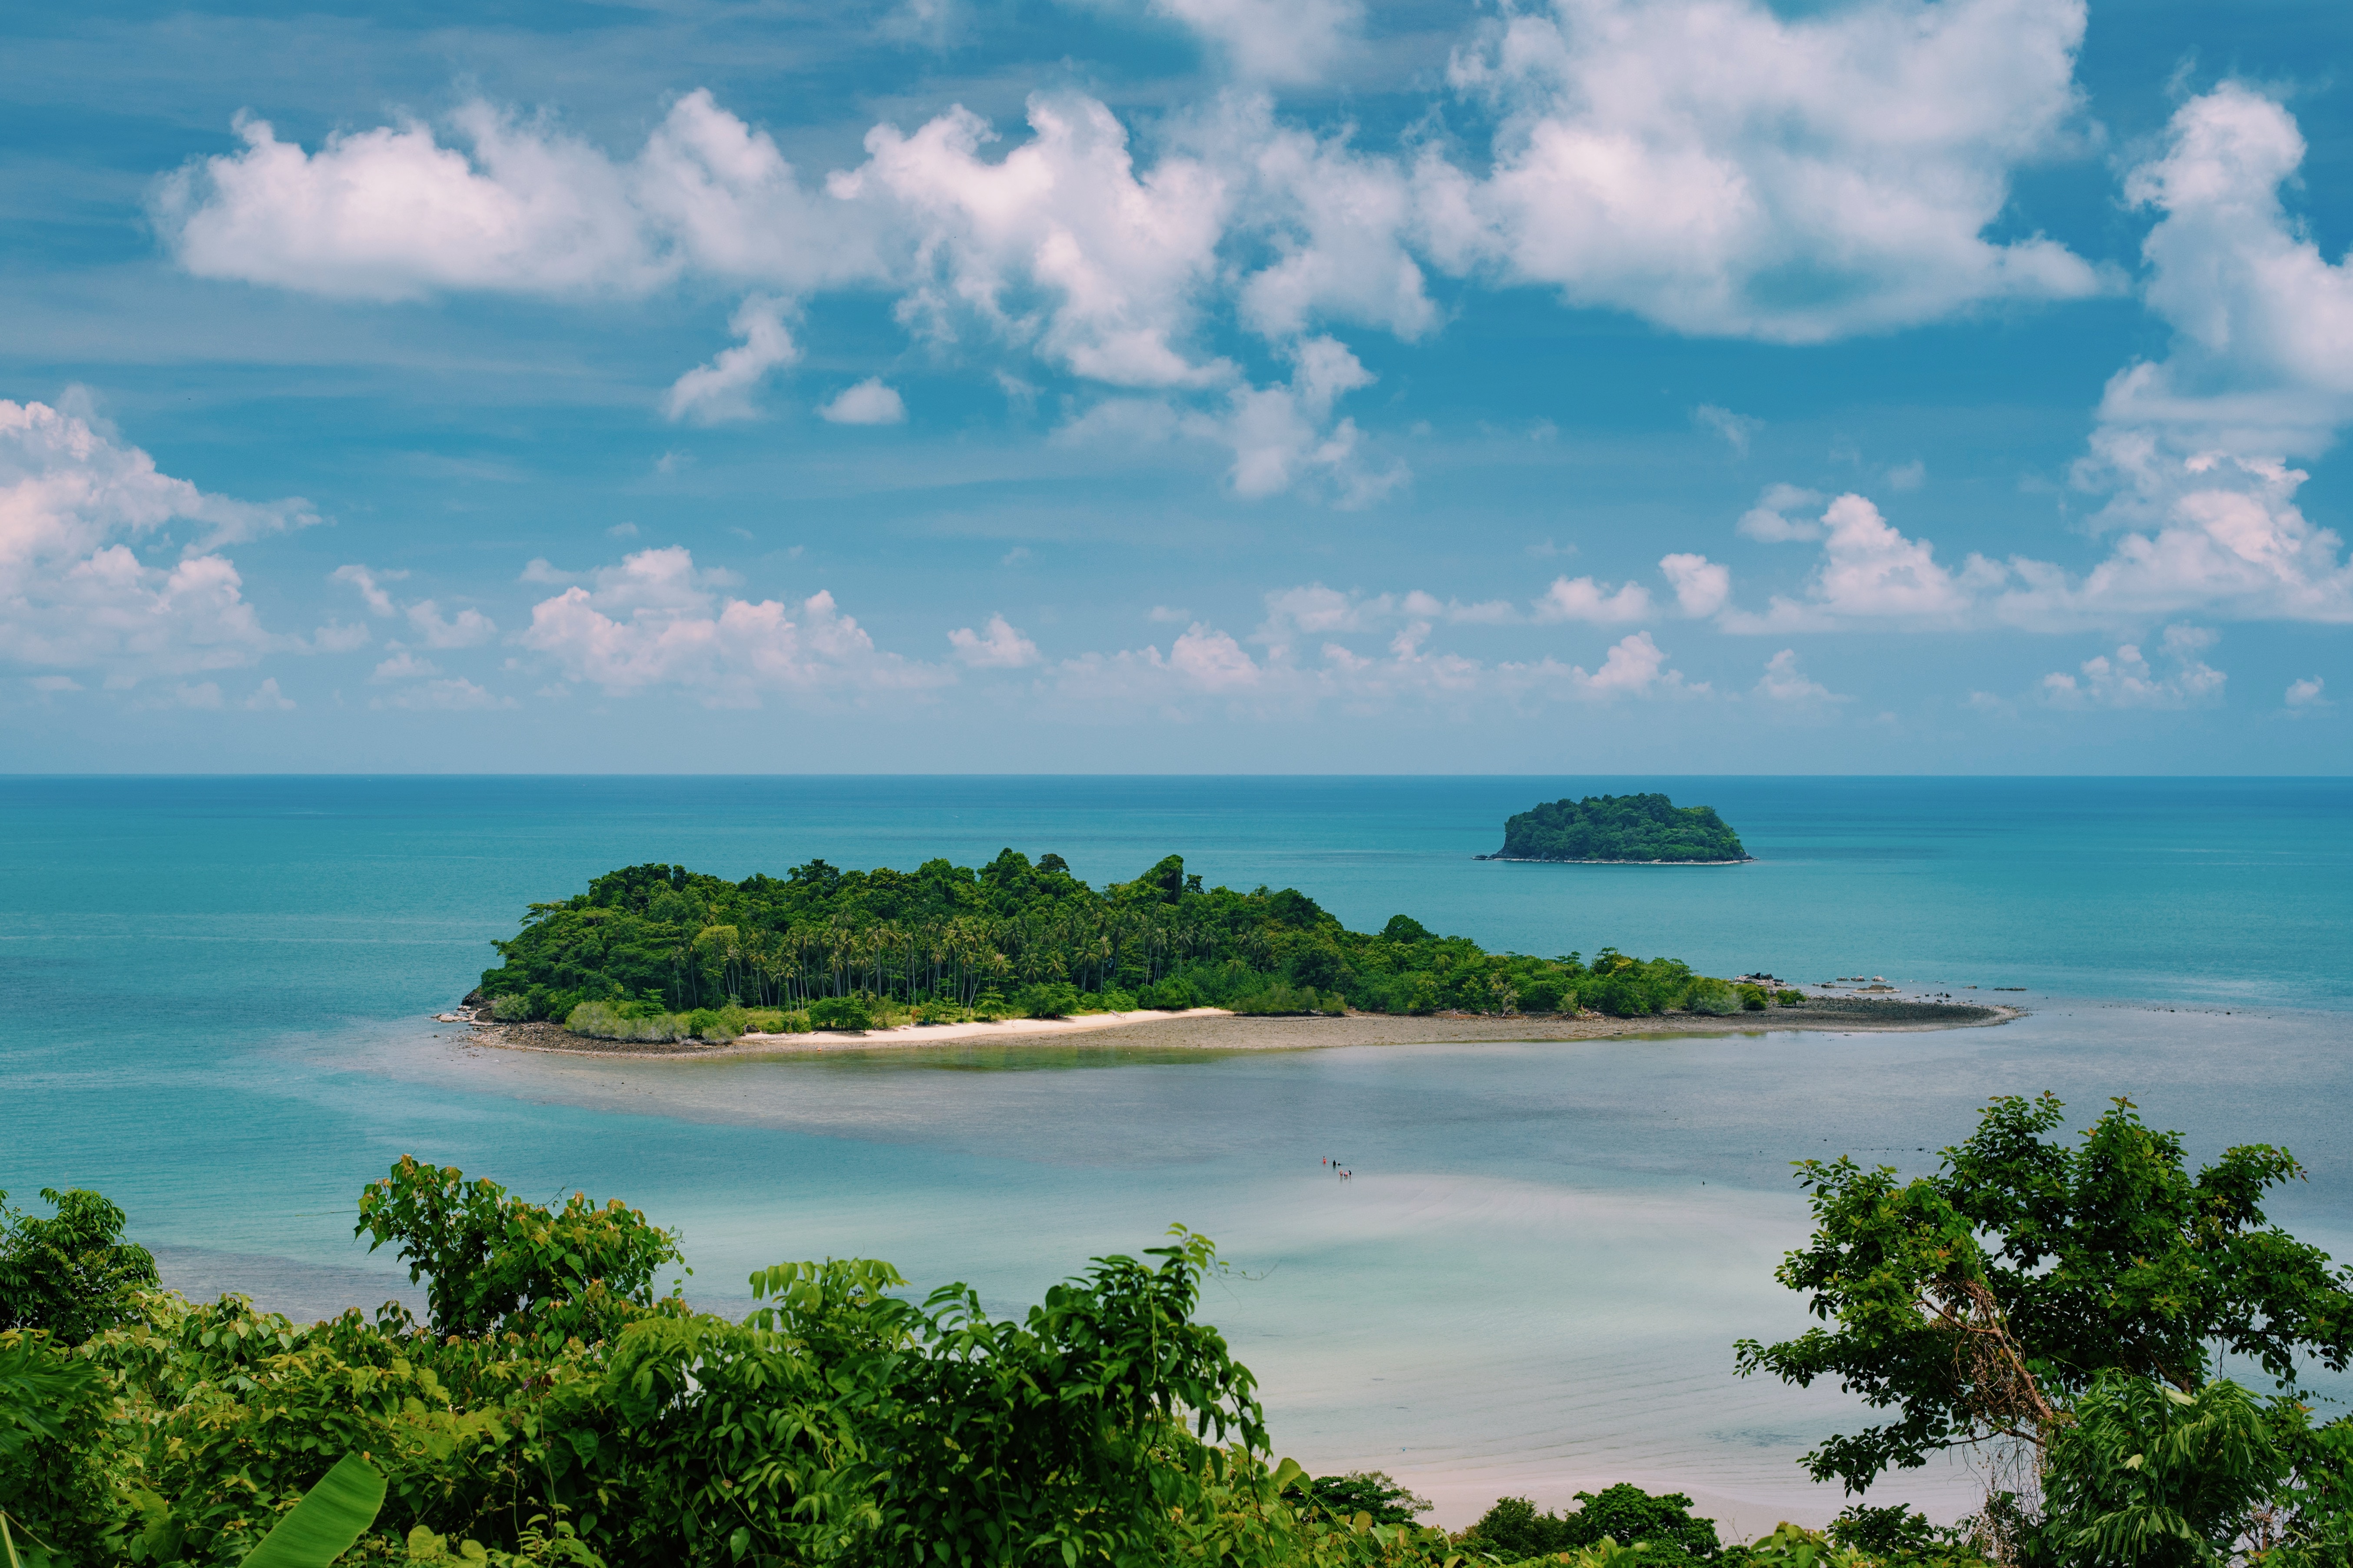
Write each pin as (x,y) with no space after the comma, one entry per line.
(1210,1029)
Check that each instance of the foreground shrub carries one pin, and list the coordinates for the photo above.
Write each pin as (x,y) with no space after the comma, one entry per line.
(72,1275)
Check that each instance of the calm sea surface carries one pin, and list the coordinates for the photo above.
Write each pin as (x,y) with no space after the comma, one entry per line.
(218,1011)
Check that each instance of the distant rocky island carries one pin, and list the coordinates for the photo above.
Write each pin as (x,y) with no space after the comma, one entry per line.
(1621,829)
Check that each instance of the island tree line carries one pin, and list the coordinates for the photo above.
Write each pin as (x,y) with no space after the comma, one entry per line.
(1029,937)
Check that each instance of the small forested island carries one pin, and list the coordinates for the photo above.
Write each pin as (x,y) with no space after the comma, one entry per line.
(1638,829)
(660,952)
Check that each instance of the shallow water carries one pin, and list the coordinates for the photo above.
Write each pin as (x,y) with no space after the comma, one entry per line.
(1532,1282)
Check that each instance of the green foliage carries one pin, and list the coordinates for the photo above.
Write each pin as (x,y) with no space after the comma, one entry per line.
(72,1275)
(1713,997)
(1623,1514)
(839,1424)
(1619,827)
(499,1263)
(657,952)
(840,1013)
(1369,1492)
(2146,1476)
(332,1514)
(1976,1301)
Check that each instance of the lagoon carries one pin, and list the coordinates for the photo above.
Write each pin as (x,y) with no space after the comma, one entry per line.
(220,992)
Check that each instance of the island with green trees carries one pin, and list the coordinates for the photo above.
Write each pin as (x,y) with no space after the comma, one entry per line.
(658,952)
(2061,1310)
(1621,829)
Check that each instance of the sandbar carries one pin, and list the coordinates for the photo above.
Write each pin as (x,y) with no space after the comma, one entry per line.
(1214,1029)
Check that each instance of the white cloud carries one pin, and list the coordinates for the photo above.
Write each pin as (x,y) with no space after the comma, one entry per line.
(2127,679)
(455,695)
(655,621)
(511,205)
(1870,573)
(404,665)
(267,698)
(2306,693)
(74,595)
(204,694)
(1717,169)
(539,570)
(370,585)
(1208,664)
(2193,451)
(1737,429)
(721,390)
(1583,599)
(1769,520)
(1908,476)
(467,629)
(870,402)
(999,647)
(1702,587)
(1272,40)
(1784,682)
(1169,613)
(1060,245)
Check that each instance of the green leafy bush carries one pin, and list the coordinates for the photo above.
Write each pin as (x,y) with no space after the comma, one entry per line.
(512,1008)
(840,1013)
(1711,997)
(1047,999)
(71,1275)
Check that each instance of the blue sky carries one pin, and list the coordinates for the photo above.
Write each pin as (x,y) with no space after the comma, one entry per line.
(1682,385)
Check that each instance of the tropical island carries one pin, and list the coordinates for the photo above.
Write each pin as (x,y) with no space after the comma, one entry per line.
(658,952)
(1621,829)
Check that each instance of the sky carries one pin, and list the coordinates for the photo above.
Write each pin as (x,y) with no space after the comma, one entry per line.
(1177,385)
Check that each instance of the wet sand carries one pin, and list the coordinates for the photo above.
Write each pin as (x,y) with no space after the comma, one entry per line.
(1206,1029)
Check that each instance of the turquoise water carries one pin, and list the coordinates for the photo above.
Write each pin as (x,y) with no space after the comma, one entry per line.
(218,993)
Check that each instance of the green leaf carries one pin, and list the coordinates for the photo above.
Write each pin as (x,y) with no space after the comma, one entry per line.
(330,1516)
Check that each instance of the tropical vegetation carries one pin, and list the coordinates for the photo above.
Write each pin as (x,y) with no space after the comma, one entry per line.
(560,1403)
(659,952)
(1643,827)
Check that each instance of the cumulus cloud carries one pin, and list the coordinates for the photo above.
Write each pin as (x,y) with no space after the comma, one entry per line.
(267,698)
(1784,682)
(1702,587)
(1870,573)
(2126,679)
(1583,599)
(1061,244)
(997,646)
(467,629)
(721,390)
(1717,169)
(655,621)
(1206,664)
(1769,520)
(2305,693)
(404,665)
(74,595)
(2193,451)
(870,402)
(509,204)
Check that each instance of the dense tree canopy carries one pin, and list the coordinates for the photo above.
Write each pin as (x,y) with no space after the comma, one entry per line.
(663,936)
(1619,827)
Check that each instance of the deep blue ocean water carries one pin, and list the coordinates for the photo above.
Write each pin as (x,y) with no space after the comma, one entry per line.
(217,1010)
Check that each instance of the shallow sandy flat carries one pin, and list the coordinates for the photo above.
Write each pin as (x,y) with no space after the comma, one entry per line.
(1207,1029)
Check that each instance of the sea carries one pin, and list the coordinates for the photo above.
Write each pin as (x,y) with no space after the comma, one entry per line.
(216,1000)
